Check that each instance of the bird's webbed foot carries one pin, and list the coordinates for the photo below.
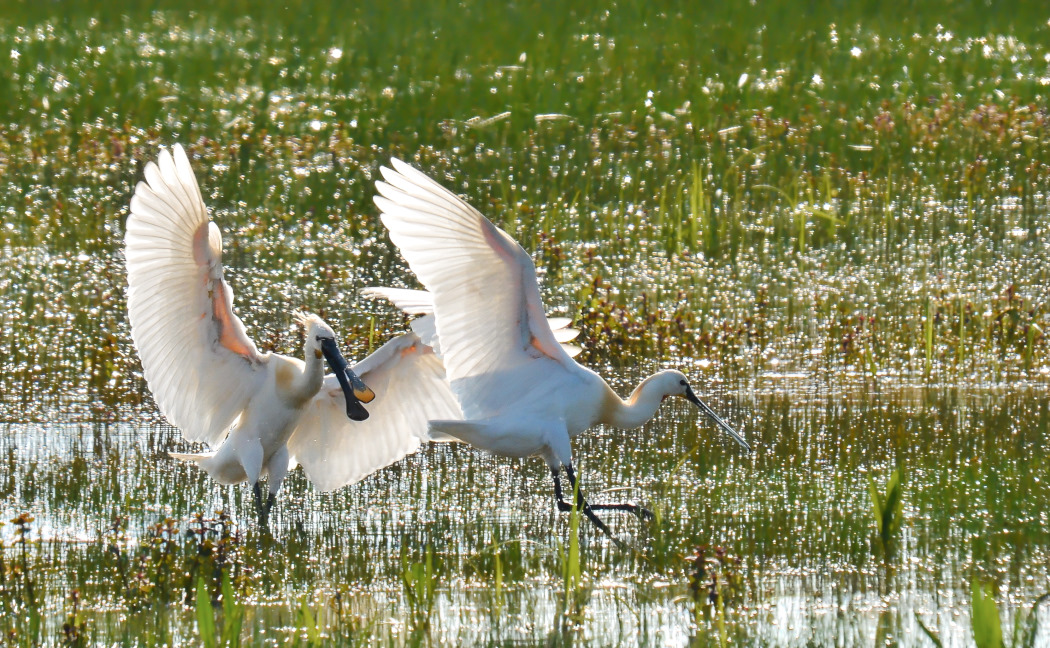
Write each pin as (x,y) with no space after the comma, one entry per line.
(643,513)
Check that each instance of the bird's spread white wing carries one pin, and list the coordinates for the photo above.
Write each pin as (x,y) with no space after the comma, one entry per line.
(490,318)
(412,302)
(197,358)
(411,389)
(489,313)
(421,302)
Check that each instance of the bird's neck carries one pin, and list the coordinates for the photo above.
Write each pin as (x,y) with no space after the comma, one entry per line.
(309,381)
(636,410)
(314,365)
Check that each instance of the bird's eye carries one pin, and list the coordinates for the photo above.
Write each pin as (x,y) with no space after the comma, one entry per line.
(682,383)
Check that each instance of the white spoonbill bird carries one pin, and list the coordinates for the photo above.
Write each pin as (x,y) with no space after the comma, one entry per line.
(262,413)
(520,392)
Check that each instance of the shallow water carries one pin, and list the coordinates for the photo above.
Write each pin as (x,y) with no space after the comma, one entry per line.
(795,511)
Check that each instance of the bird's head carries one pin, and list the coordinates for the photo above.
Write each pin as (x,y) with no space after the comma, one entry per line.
(315,329)
(674,383)
(320,340)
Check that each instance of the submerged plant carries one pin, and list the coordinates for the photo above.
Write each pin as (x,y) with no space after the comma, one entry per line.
(309,624)
(574,592)
(1026,627)
(420,585)
(986,626)
(205,616)
(984,616)
(19,599)
(497,573)
(226,631)
(169,560)
(714,578)
(74,630)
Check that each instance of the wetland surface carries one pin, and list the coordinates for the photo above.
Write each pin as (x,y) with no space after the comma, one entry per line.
(835,223)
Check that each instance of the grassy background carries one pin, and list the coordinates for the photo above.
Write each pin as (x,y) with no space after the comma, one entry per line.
(846,193)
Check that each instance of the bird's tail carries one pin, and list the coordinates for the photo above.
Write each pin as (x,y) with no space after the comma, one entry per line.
(223,469)
(466,431)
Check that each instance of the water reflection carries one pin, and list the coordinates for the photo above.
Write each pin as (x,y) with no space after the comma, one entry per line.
(796,511)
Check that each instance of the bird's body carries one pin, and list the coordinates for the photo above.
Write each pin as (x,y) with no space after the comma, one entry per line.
(538,421)
(520,391)
(261,434)
(262,413)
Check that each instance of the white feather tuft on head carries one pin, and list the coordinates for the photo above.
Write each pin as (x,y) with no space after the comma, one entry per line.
(305,319)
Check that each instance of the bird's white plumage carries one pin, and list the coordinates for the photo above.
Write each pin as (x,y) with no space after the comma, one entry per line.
(412,302)
(490,321)
(421,302)
(519,391)
(197,358)
(259,412)
(410,386)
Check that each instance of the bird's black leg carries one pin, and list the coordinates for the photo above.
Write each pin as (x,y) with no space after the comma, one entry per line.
(641,512)
(562,504)
(262,510)
(581,503)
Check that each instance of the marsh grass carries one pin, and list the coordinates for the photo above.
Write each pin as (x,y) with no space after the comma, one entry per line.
(887,509)
(355,556)
(420,584)
(986,625)
(778,191)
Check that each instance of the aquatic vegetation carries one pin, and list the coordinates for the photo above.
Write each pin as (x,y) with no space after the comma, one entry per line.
(74,628)
(888,509)
(226,631)
(163,565)
(420,585)
(714,578)
(984,617)
(20,599)
(985,620)
(307,621)
(575,592)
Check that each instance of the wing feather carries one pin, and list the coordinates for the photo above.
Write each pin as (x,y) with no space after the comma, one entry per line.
(197,358)
(490,315)
(411,388)
(412,302)
(421,302)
